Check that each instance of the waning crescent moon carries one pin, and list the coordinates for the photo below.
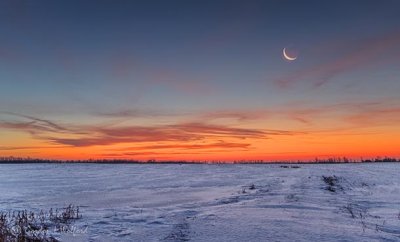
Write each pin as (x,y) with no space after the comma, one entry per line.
(287,57)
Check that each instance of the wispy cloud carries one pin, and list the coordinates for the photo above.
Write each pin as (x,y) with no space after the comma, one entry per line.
(79,135)
(195,146)
(137,113)
(348,111)
(35,125)
(217,130)
(164,133)
(235,114)
(11,148)
(348,116)
(131,134)
(361,54)
(375,116)
(217,145)
(178,149)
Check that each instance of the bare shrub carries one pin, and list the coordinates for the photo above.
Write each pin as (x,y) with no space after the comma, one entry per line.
(29,226)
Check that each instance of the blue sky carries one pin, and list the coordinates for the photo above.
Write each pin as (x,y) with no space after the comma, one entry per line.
(175,61)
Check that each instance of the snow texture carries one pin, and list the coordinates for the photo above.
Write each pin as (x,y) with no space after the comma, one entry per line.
(193,202)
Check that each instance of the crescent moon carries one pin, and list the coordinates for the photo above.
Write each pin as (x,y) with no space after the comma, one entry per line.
(287,57)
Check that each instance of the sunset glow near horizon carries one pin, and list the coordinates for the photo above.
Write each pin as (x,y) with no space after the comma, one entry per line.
(199,80)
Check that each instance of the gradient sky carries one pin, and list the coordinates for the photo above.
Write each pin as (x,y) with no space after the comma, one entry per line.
(199,80)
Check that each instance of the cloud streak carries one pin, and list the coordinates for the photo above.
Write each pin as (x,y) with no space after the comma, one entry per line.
(360,55)
(94,135)
(348,116)
(234,114)
(186,132)
(216,145)
(136,113)
(34,124)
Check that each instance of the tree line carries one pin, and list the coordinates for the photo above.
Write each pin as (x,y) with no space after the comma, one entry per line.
(333,160)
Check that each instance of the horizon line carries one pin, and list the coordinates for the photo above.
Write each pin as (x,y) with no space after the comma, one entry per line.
(331,160)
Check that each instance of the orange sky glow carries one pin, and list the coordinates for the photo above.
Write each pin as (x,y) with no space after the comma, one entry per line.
(199,80)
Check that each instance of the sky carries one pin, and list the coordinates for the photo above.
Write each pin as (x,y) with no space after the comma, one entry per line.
(199,80)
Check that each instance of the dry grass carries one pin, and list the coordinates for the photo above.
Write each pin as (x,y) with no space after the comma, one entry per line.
(28,226)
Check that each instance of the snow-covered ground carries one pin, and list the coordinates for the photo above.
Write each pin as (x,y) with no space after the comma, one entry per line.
(135,202)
